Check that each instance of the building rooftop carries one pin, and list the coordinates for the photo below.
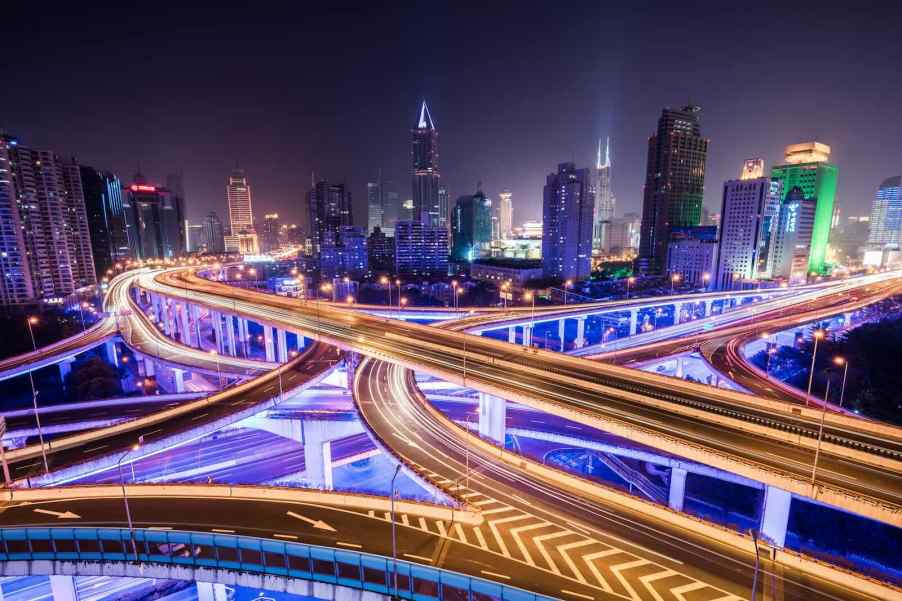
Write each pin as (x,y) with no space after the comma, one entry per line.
(510,263)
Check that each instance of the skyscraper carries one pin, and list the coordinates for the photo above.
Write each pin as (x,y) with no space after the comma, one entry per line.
(807,169)
(505,215)
(420,249)
(471,227)
(154,220)
(791,246)
(674,183)
(242,238)
(269,233)
(194,237)
(568,208)
(424,171)
(886,216)
(106,218)
(444,207)
(748,204)
(329,207)
(214,235)
(41,195)
(604,197)
(375,203)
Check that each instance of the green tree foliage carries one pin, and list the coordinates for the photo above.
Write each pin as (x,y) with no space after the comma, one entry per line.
(92,379)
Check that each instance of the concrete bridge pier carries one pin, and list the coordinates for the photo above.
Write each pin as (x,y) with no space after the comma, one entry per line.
(194,318)
(65,368)
(211,591)
(492,417)
(63,588)
(230,345)
(562,334)
(677,495)
(216,321)
(634,322)
(112,353)
(527,334)
(708,305)
(775,515)
(282,345)
(269,343)
(244,336)
(580,341)
(512,334)
(317,438)
(677,313)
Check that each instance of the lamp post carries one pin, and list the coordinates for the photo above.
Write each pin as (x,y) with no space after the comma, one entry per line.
(629,281)
(820,431)
(81,311)
(818,334)
(529,295)
(757,563)
(387,283)
(604,336)
(34,395)
(218,366)
(674,278)
(128,513)
(567,286)
(454,293)
(706,277)
(394,531)
(845,372)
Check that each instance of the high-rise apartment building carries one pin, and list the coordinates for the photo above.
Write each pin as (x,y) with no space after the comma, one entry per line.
(194,237)
(154,220)
(41,196)
(604,197)
(425,173)
(568,209)
(375,204)
(886,216)
(807,169)
(674,183)
(380,251)
(747,211)
(106,218)
(692,254)
(444,206)
(214,234)
(505,215)
(471,227)
(241,238)
(421,249)
(623,235)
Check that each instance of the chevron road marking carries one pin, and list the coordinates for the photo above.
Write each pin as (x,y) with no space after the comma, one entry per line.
(594,569)
(478,532)
(539,542)
(493,526)
(515,532)
(460,534)
(620,568)
(569,561)
(680,591)
(649,578)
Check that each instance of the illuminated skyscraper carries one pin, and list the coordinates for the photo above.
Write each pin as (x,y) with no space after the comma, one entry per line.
(604,197)
(505,215)
(214,236)
(749,207)
(674,183)
(886,216)
(269,233)
(106,218)
(329,208)
(568,207)
(471,227)
(154,219)
(424,171)
(375,203)
(242,238)
(807,169)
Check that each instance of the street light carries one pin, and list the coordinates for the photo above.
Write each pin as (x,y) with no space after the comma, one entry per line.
(505,287)
(81,311)
(350,299)
(845,372)
(674,278)
(529,295)
(128,513)
(34,395)
(454,292)
(818,334)
(604,336)
(820,431)
(706,277)
(630,280)
(567,286)
(394,530)
(387,283)
(218,366)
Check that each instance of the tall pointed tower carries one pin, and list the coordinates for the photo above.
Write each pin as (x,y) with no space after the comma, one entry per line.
(424,171)
(604,198)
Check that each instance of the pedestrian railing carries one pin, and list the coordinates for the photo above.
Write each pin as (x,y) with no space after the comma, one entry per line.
(352,569)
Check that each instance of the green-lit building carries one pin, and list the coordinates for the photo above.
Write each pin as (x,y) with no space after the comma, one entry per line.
(807,168)
(471,227)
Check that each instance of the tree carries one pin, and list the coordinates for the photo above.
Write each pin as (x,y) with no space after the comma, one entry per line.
(92,379)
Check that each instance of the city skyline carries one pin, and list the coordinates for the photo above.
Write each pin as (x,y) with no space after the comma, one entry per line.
(529,136)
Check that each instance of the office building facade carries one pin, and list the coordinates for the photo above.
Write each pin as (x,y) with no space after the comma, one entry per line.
(106,219)
(692,254)
(623,235)
(242,238)
(674,183)
(329,207)
(886,216)
(214,233)
(421,250)
(790,248)
(604,197)
(568,208)
(154,220)
(471,227)
(505,212)
(380,250)
(425,172)
(269,233)
(807,169)
(748,208)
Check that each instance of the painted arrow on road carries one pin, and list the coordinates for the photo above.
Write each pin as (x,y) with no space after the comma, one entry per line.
(315,523)
(63,515)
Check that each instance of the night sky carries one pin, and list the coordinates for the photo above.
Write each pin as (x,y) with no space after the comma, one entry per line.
(514,89)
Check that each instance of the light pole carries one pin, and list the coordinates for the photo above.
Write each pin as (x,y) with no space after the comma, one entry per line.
(387,283)
(757,563)
(820,431)
(394,532)
(706,277)
(128,513)
(218,366)
(818,334)
(505,287)
(529,295)
(454,293)
(567,286)
(81,311)
(674,278)
(630,280)
(845,372)
(604,336)
(34,395)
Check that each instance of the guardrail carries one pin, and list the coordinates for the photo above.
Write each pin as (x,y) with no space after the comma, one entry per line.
(352,569)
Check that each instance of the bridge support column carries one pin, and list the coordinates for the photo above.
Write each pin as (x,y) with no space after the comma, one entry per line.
(230,336)
(269,343)
(680,368)
(149,369)
(580,332)
(677,313)
(708,305)
(211,591)
(216,321)
(282,345)
(184,324)
(318,453)
(194,318)
(562,333)
(634,322)
(527,334)
(62,588)
(65,368)
(775,515)
(677,494)
(492,417)
(244,336)
(178,378)
(112,354)
(512,334)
